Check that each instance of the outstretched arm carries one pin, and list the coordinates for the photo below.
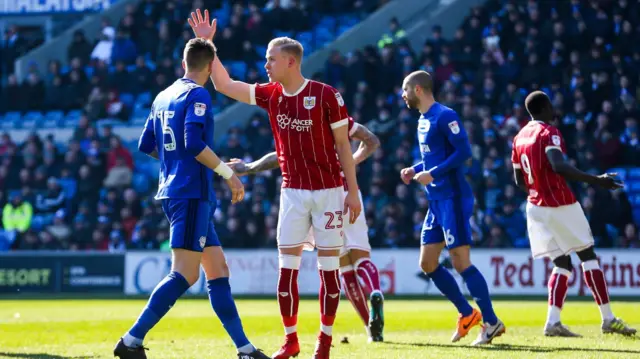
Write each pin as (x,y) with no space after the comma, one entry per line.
(237,90)
(267,162)
(562,167)
(369,143)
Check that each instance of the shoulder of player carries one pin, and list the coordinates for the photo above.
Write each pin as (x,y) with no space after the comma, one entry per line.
(447,116)
(196,92)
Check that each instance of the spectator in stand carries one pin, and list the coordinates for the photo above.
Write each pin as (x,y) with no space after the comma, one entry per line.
(79,48)
(396,33)
(104,47)
(52,200)
(17,215)
(119,176)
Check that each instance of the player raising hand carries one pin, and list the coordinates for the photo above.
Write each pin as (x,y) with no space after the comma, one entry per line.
(309,122)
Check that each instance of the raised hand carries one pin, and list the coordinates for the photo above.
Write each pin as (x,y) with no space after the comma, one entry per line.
(407,174)
(201,26)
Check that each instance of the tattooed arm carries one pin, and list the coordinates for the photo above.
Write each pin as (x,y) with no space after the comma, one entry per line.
(267,162)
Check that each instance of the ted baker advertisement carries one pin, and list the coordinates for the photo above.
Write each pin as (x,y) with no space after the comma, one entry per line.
(508,272)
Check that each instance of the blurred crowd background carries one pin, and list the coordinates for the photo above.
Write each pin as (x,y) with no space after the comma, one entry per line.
(96,192)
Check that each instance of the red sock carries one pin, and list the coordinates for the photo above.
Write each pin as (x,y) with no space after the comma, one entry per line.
(288,298)
(329,299)
(354,293)
(594,277)
(558,285)
(368,273)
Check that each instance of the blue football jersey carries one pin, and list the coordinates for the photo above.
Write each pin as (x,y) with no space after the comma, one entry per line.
(181,175)
(444,147)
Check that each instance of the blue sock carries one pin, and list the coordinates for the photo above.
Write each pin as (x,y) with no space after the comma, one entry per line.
(225,308)
(164,296)
(479,290)
(448,286)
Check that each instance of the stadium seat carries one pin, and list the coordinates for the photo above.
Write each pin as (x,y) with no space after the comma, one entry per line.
(31,120)
(328,22)
(89,70)
(636,215)
(144,99)
(139,116)
(53,119)
(72,119)
(238,69)
(634,173)
(141,183)
(342,29)
(127,99)
(11,120)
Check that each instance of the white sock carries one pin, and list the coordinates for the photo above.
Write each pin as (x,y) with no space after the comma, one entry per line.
(326,329)
(553,315)
(247,349)
(605,312)
(368,330)
(131,341)
(290,330)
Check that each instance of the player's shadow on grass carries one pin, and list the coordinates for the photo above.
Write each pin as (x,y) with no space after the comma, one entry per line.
(521,348)
(40,356)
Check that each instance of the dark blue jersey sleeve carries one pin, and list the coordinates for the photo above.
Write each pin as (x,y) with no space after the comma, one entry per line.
(449,125)
(198,106)
(147,142)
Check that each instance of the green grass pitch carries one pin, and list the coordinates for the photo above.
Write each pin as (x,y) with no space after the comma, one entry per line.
(65,329)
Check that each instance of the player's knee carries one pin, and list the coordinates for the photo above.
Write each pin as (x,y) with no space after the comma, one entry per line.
(328,263)
(289,261)
(427,265)
(563,262)
(588,254)
(460,259)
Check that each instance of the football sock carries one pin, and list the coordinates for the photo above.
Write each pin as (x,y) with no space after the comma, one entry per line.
(594,277)
(225,308)
(479,290)
(288,298)
(354,293)
(369,276)
(164,296)
(557,285)
(329,292)
(445,282)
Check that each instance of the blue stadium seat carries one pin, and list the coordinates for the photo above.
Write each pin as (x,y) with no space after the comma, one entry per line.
(348,20)
(144,99)
(622,172)
(342,29)
(65,69)
(127,99)
(32,120)
(283,33)
(139,116)
(238,69)
(633,187)
(53,119)
(328,21)
(140,183)
(72,119)
(261,50)
(12,120)
(260,67)
(634,173)
(323,35)
(636,215)
(89,70)
(131,68)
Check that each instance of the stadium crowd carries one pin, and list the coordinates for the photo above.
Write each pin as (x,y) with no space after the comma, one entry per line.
(583,54)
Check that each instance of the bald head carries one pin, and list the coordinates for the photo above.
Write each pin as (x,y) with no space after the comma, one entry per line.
(417,89)
(422,79)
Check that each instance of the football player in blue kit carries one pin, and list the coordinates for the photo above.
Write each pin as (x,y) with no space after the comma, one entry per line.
(179,132)
(444,147)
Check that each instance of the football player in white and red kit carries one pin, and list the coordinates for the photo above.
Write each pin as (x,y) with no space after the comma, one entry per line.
(360,275)
(556,223)
(309,123)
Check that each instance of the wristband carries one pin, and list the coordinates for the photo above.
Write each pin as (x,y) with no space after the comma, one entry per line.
(223,170)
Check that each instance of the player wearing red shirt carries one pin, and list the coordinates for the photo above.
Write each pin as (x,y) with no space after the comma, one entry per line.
(556,223)
(356,266)
(309,122)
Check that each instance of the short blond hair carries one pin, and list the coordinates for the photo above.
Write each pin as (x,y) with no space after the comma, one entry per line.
(291,46)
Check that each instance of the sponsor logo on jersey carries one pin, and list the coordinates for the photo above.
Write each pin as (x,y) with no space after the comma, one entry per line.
(556,140)
(199,108)
(286,123)
(309,102)
(424,125)
(339,98)
(454,127)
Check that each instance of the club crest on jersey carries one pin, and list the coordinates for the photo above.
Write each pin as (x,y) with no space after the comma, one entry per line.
(203,241)
(199,108)
(339,98)
(424,125)
(556,140)
(309,102)
(454,127)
